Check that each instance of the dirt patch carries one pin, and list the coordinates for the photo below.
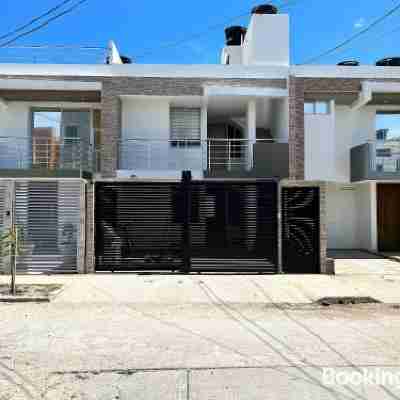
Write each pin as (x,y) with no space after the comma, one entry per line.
(328,301)
(31,290)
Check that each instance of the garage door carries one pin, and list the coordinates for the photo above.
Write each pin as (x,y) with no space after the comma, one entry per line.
(187,226)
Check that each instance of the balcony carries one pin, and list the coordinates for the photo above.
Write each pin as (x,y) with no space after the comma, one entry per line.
(205,158)
(374,160)
(144,158)
(45,157)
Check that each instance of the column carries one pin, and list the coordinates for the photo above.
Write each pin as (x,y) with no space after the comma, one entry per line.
(251,131)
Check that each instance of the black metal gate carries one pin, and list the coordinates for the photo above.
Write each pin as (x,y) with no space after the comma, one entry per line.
(300,230)
(187,226)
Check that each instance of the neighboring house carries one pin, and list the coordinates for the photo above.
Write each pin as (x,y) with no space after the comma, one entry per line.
(285,160)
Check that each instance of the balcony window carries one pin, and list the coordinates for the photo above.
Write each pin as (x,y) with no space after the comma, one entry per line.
(60,138)
(185,128)
(388,141)
(316,107)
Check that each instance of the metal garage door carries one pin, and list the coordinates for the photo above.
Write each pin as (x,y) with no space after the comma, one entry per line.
(300,230)
(49,214)
(188,226)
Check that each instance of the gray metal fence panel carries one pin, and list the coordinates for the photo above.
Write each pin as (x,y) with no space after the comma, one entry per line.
(48,213)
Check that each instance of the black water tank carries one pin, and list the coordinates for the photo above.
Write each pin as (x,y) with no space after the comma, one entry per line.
(389,62)
(126,60)
(349,63)
(235,35)
(265,9)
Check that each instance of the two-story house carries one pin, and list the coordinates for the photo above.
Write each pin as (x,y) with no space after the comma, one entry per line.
(285,161)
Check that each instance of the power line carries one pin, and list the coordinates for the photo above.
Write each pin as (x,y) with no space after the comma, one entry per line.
(208,30)
(374,38)
(45,23)
(32,21)
(55,46)
(355,36)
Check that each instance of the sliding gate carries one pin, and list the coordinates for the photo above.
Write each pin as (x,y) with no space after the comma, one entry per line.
(48,217)
(187,226)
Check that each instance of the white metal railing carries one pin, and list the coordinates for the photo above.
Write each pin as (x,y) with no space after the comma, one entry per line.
(384,156)
(45,153)
(168,154)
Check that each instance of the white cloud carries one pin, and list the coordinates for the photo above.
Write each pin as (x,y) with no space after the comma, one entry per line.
(359,23)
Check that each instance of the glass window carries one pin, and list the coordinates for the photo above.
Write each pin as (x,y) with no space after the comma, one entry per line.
(59,137)
(316,107)
(387,126)
(322,107)
(185,126)
(308,108)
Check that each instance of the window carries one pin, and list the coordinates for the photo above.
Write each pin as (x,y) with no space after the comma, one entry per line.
(316,107)
(387,125)
(185,126)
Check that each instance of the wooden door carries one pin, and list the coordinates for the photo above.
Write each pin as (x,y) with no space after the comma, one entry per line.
(389,217)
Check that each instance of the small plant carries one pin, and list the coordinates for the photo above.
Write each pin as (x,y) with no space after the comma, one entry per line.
(11,245)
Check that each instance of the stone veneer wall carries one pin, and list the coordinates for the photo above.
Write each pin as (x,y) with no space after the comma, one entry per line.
(90,230)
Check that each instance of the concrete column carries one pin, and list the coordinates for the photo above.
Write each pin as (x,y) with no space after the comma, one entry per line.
(111,131)
(251,131)
(8,219)
(296,128)
(374,216)
(90,228)
(203,135)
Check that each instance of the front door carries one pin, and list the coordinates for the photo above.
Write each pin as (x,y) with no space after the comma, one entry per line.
(389,217)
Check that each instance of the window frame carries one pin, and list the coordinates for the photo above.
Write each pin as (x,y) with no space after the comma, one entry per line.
(314,104)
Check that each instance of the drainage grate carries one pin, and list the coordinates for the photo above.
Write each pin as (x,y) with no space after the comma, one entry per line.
(329,301)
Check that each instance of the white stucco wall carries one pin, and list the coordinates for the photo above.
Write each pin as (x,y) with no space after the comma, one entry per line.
(152,156)
(280,120)
(328,141)
(14,123)
(351,216)
(267,40)
(319,146)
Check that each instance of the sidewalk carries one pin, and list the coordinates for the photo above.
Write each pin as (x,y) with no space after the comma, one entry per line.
(377,278)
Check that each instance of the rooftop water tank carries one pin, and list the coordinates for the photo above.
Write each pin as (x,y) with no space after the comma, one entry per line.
(235,35)
(349,63)
(265,9)
(389,62)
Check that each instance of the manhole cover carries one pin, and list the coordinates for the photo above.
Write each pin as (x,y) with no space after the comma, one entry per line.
(328,301)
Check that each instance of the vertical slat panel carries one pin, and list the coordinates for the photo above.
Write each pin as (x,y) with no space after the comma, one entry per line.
(300,230)
(136,226)
(3,188)
(232,227)
(235,229)
(48,212)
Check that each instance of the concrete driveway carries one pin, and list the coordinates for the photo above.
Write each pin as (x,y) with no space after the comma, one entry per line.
(355,262)
(123,337)
(128,336)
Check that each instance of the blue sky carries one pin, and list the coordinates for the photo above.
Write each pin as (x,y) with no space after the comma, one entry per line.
(142,28)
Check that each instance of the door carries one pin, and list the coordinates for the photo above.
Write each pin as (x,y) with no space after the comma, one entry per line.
(300,230)
(388,217)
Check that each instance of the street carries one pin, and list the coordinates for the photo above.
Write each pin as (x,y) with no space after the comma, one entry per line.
(104,344)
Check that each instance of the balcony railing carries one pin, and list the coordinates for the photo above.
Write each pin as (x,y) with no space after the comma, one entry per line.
(374,160)
(157,154)
(143,157)
(45,155)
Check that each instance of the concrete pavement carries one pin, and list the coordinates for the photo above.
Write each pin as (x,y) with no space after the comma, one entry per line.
(125,336)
